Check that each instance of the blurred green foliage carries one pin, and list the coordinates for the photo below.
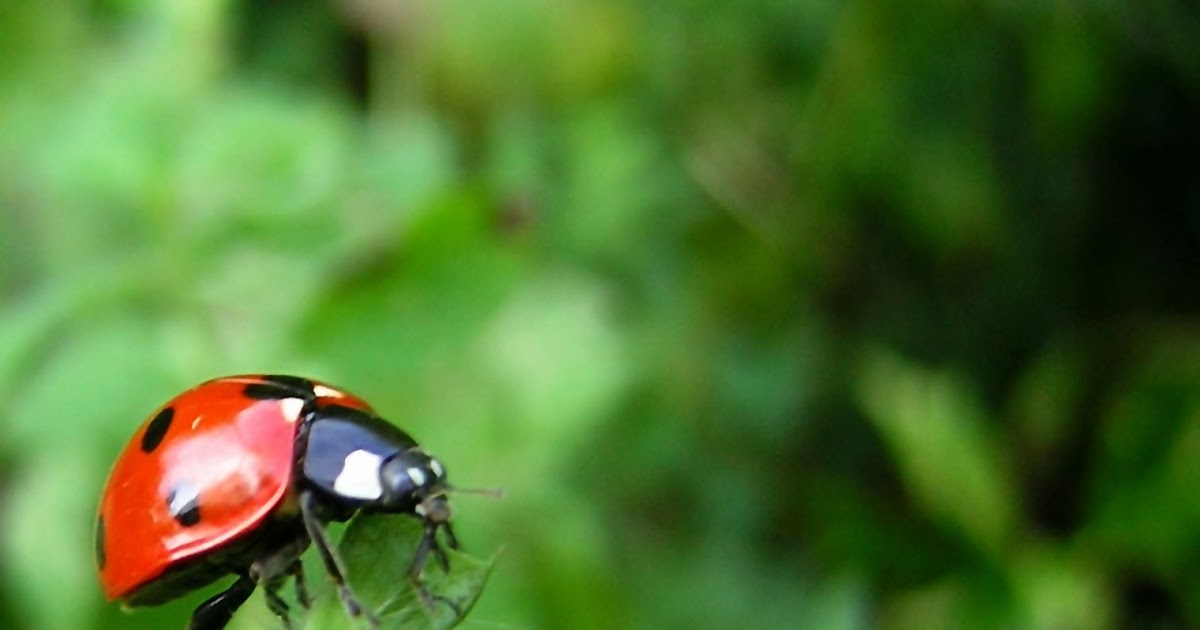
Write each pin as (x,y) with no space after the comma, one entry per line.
(776,313)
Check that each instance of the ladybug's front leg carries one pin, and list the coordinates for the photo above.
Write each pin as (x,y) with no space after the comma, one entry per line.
(215,612)
(429,544)
(316,531)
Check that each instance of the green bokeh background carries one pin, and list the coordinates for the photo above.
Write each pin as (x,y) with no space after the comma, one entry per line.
(766,314)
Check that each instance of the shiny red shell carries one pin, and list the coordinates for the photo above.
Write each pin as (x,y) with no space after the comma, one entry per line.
(234,454)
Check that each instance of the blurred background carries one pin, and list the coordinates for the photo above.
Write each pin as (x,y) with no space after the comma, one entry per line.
(766,314)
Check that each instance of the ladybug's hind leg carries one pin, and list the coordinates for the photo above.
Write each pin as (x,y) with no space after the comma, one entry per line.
(215,612)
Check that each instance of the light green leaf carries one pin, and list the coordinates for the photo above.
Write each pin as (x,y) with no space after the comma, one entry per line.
(935,430)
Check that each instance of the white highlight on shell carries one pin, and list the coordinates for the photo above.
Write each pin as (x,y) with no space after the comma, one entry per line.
(359,478)
(436,467)
(291,408)
(327,392)
(184,494)
(417,475)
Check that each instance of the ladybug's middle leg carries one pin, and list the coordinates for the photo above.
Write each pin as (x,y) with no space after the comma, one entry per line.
(275,603)
(215,612)
(272,569)
(297,572)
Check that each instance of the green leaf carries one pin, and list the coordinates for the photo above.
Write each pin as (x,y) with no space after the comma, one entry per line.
(376,551)
(937,432)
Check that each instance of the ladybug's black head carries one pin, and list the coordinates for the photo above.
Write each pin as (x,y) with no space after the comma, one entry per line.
(414,480)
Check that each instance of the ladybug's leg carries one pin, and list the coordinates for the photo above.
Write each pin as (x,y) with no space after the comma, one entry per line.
(451,539)
(275,603)
(316,531)
(420,557)
(273,568)
(215,613)
(297,572)
(438,552)
(429,544)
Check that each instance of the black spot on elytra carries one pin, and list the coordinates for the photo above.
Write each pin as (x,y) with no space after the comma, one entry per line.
(183,503)
(157,430)
(278,386)
(100,543)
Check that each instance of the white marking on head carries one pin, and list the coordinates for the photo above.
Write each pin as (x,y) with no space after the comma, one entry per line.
(417,475)
(359,478)
(327,392)
(196,422)
(436,467)
(420,509)
(291,408)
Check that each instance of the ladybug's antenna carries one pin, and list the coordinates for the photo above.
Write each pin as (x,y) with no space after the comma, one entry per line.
(495,493)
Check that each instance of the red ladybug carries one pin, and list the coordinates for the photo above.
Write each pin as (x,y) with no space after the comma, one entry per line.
(239,475)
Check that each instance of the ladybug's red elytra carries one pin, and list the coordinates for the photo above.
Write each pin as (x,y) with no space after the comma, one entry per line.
(239,475)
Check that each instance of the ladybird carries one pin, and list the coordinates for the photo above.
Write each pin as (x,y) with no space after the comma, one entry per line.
(239,475)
